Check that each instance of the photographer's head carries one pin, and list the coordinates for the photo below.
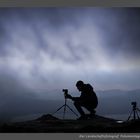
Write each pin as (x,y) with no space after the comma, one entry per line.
(80,85)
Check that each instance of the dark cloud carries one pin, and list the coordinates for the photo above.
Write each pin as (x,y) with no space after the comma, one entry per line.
(132,31)
(122,32)
(120,26)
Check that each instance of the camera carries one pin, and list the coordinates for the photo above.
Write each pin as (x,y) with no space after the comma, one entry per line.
(65,92)
(133,103)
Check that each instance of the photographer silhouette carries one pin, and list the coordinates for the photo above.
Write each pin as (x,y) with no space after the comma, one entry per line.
(88,99)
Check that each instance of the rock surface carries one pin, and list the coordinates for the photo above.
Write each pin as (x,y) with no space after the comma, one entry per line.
(50,124)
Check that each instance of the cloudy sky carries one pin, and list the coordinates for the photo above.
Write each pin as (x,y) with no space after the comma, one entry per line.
(48,49)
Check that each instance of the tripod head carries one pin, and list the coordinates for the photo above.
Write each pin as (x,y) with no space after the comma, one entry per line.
(65,92)
(134,104)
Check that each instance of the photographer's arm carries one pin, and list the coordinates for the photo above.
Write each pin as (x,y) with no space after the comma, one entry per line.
(70,97)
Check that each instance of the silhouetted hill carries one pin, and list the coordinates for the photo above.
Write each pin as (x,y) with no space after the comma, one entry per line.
(47,117)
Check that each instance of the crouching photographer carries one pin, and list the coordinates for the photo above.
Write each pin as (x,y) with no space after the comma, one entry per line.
(87,99)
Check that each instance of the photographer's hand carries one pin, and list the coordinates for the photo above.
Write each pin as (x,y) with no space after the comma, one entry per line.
(68,96)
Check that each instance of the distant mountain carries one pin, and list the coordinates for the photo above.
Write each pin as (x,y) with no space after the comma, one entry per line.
(117,101)
(111,103)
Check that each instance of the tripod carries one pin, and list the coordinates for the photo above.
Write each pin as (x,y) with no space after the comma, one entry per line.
(65,105)
(134,111)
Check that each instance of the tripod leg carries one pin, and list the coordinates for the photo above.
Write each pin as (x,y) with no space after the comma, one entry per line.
(72,111)
(64,111)
(138,110)
(137,114)
(130,115)
(134,114)
(58,109)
